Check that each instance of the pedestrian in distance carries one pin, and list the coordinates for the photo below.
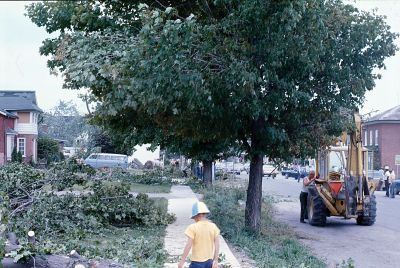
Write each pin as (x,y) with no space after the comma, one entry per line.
(299,172)
(304,195)
(203,240)
(392,186)
(387,175)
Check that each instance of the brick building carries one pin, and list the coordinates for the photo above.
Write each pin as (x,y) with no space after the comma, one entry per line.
(381,134)
(19,114)
(7,134)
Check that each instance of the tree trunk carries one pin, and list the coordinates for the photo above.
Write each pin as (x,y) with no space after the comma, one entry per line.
(254,194)
(254,190)
(207,172)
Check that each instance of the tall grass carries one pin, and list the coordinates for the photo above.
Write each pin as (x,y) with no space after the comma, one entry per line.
(274,246)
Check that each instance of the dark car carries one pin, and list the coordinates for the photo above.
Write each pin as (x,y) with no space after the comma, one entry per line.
(397,185)
(283,171)
(296,173)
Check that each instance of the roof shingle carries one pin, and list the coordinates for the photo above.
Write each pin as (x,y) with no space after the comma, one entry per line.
(391,115)
(18,101)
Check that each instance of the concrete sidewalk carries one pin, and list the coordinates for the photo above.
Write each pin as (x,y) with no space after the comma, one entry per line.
(180,203)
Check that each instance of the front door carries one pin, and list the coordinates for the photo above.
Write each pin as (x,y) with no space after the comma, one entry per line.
(10,146)
(34,150)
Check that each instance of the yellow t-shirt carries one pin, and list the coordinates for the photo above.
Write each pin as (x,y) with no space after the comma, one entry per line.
(203,234)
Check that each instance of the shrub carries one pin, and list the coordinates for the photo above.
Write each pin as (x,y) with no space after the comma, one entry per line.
(48,149)
(16,156)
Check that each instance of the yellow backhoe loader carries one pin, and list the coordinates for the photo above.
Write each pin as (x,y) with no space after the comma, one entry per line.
(341,188)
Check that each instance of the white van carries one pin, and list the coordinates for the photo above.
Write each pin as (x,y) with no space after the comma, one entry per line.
(102,160)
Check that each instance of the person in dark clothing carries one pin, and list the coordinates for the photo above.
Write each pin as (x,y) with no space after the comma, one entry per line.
(304,195)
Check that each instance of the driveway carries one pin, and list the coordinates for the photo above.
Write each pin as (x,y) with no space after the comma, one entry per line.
(340,239)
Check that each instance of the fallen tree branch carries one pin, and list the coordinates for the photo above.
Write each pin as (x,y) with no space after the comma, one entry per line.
(20,208)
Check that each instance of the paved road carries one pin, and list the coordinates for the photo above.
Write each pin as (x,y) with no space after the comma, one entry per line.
(340,239)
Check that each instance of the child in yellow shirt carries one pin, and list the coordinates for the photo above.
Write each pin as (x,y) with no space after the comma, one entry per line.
(203,239)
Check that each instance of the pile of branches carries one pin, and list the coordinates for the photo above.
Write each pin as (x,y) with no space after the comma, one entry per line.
(152,177)
(65,174)
(23,183)
(28,202)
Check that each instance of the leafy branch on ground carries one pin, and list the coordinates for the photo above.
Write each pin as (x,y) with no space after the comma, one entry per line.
(154,177)
(105,223)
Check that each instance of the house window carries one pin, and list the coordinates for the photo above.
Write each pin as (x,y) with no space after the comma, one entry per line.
(21,145)
(365,138)
(370,138)
(376,137)
(34,118)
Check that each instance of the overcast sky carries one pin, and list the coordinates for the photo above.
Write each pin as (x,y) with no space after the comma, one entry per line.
(22,68)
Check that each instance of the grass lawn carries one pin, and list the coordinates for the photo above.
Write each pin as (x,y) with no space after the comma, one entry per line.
(147,188)
(275,246)
(134,187)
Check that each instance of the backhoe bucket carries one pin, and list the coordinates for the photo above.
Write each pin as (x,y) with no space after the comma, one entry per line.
(335,186)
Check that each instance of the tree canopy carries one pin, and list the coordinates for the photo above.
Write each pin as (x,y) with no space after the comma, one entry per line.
(63,122)
(275,78)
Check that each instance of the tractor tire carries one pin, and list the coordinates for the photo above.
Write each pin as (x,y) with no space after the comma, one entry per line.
(316,208)
(368,220)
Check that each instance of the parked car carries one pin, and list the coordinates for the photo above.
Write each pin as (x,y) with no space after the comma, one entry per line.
(270,171)
(284,170)
(230,167)
(296,173)
(397,184)
(102,160)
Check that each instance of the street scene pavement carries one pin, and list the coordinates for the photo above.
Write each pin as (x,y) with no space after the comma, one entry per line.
(368,246)
(176,90)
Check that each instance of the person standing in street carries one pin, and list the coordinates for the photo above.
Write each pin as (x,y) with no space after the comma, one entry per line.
(203,239)
(304,195)
(387,175)
(392,190)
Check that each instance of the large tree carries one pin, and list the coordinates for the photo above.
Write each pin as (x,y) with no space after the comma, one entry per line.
(274,78)
(63,122)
